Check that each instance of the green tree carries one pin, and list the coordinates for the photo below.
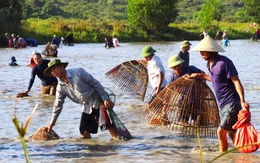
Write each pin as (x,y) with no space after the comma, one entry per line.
(152,16)
(209,13)
(51,8)
(10,15)
(252,8)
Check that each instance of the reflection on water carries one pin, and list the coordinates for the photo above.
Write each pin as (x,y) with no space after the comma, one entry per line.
(148,144)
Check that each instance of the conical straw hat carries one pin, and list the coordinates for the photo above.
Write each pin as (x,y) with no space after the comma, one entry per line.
(208,44)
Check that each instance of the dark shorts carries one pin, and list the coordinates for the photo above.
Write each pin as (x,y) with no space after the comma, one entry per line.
(228,115)
(90,122)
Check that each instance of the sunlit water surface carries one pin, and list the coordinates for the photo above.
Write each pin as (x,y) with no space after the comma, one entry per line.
(149,144)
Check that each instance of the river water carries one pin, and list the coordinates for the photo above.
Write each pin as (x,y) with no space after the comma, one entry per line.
(149,144)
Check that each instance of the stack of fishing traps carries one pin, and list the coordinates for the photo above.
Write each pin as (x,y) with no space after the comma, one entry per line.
(186,106)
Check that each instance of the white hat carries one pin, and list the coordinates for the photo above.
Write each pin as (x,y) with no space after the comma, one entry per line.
(208,44)
(34,51)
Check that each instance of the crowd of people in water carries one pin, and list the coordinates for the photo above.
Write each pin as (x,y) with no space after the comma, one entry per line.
(78,85)
(17,41)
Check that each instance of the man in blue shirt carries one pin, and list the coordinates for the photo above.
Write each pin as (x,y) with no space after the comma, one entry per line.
(178,70)
(175,62)
(55,41)
(227,86)
(81,87)
(184,53)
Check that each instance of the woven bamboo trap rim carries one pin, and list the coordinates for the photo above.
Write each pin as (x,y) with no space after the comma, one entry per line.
(201,110)
(131,77)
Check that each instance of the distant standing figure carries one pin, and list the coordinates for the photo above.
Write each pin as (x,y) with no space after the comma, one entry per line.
(115,41)
(14,39)
(256,35)
(109,43)
(55,40)
(9,40)
(70,40)
(225,41)
(225,34)
(13,62)
(184,54)
(62,41)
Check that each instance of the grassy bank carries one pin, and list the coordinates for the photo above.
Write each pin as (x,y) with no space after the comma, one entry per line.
(91,31)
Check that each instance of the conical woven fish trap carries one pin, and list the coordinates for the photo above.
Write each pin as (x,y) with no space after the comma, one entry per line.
(186,106)
(131,77)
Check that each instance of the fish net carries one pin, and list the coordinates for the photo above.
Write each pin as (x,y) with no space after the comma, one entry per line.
(186,106)
(131,77)
(121,131)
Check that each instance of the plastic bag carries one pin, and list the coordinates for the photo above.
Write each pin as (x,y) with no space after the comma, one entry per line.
(246,133)
(121,131)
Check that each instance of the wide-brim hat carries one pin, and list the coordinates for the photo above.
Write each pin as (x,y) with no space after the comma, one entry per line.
(147,50)
(54,62)
(185,43)
(174,61)
(208,44)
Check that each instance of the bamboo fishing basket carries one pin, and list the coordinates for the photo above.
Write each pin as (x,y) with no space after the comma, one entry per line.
(131,77)
(186,106)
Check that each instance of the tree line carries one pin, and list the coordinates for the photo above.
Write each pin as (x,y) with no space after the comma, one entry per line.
(145,17)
